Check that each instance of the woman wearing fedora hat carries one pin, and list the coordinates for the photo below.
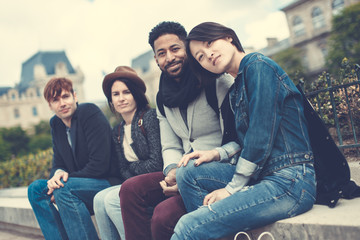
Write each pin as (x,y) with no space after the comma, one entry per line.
(136,142)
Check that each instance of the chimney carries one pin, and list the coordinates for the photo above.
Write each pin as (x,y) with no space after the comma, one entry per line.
(271,41)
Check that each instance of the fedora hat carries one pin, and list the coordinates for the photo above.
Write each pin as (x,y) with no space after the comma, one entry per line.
(122,72)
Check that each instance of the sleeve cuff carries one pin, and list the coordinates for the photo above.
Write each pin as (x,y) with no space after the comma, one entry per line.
(229,151)
(237,183)
(168,168)
(222,153)
(58,171)
(245,167)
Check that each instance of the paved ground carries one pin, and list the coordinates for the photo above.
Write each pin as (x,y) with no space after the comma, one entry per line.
(7,235)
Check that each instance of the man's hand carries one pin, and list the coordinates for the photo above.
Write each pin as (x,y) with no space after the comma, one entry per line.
(170,178)
(216,196)
(200,156)
(55,181)
(169,190)
(169,185)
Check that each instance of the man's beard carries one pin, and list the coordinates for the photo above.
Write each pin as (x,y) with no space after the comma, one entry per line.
(182,64)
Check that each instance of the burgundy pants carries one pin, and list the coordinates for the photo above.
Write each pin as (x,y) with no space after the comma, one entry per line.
(137,195)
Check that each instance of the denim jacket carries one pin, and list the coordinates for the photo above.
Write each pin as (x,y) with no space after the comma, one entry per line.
(269,120)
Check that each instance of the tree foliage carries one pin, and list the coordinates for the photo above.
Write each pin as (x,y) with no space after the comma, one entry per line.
(345,39)
(5,152)
(290,61)
(42,127)
(16,142)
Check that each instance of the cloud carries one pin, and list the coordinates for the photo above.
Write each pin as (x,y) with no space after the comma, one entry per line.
(100,35)
(272,25)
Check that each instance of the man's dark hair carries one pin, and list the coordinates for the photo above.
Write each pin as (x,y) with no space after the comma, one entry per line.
(167,27)
(55,86)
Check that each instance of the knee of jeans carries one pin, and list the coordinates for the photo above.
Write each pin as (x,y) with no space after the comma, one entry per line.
(98,202)
(180,227)
(185,174)
(35,189)
(112,200)
(62,192)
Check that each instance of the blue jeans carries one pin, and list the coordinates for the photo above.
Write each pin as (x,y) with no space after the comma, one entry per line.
(72,217)
(108,214)
(282,194)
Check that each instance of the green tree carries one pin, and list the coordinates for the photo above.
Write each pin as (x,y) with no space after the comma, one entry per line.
(5,152)
(111,117)
(290,60)
(42,127)
(40,142)
(17,139)
(345,39)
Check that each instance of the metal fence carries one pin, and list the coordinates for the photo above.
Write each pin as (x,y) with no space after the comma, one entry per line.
(339,107)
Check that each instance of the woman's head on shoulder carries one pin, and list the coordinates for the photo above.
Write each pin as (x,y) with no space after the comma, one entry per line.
(211,48)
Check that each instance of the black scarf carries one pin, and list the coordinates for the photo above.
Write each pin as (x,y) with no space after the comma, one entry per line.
(179,94)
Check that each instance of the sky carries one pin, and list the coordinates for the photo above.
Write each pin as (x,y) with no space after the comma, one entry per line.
(98,35)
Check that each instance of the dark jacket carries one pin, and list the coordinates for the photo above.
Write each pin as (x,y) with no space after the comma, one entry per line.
(146,145)
(91,140)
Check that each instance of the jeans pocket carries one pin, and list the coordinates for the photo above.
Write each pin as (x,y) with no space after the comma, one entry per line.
(289,173)
(305,203)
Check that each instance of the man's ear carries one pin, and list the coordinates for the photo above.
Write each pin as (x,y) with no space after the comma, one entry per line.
(156,60)
(75,96)
(229,39)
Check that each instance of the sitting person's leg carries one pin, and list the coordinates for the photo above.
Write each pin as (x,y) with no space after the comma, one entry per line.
(75,204)
(137,195)
(283,194)
(45,212)
(166,215)
(195,182)
(108,214)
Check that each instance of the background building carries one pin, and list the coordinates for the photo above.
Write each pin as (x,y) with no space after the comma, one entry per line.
(145,65)
(24,104)
(309,23)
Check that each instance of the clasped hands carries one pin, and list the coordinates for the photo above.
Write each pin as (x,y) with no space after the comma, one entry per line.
(169,185)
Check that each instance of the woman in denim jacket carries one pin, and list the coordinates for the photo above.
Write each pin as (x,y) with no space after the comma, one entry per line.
(273,176)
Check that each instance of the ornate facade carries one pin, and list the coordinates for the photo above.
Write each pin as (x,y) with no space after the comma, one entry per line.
(24,104)
(310,23)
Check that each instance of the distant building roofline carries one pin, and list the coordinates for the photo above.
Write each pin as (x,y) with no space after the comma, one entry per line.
(294,4)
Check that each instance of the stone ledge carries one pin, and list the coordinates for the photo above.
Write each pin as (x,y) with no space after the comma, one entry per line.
(322,222)
(29,232)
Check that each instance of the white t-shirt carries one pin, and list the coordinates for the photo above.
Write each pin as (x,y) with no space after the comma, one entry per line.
(128,151)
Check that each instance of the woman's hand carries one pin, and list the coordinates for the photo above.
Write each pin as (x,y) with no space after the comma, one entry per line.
(216,196)
(200,156)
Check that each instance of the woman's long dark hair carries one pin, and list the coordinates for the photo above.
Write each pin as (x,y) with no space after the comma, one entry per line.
(205,32)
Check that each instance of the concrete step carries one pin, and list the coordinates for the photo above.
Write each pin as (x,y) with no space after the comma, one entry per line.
(322,222)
